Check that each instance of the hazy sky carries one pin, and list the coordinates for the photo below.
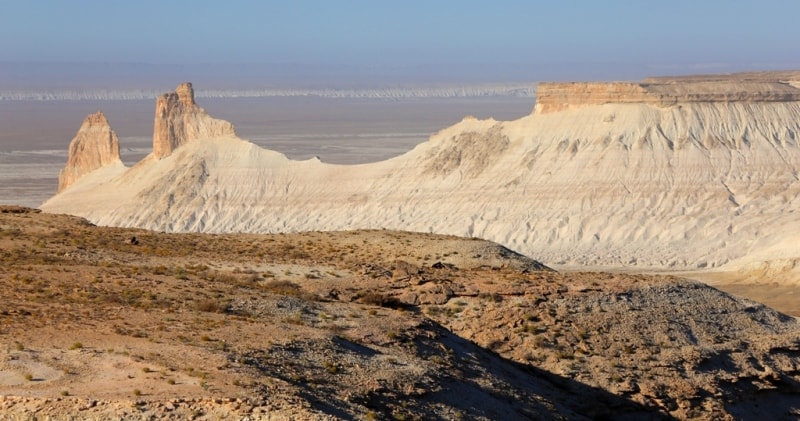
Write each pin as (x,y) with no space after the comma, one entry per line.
(488,37)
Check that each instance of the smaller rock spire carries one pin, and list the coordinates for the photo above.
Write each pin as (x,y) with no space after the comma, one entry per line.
(94,146)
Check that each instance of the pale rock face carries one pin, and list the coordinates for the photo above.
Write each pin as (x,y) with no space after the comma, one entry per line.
(688,186)
(553,97)
(94,146)
(179,120)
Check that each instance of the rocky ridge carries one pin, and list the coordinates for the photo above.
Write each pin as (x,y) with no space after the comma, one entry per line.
(94,146)
(127,323)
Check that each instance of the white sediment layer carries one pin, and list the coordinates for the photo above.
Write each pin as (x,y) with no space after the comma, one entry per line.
(688,186)
(467,91)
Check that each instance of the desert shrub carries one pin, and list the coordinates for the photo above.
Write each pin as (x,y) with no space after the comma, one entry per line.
(564,354)
(210,306)
(180,273)
(216,276)
(435,311)
(292,252)
(491,296)
(160,270)
(378,299)
(438,359)
(282,287)
(331,367)
(295,319)
(289,288)
(494,345)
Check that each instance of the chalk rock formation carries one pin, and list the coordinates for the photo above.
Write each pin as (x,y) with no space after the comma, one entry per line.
(702,183)
(663,92)
(95,146)
(180,120)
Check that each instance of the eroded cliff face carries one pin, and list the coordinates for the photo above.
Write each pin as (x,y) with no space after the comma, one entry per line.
(94,146)
(179,120)
(663,92)
(701,184)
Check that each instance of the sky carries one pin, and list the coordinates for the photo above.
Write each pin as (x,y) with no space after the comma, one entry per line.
(490,40)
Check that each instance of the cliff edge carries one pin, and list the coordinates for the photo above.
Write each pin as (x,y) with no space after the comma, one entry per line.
(179,120)
(666,91)
(94,146)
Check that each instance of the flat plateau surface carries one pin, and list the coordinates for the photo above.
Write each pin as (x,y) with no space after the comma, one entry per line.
(374,324)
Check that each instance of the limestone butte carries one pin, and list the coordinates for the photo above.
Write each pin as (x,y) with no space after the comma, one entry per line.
(179,120)
(94,146)
(662,92)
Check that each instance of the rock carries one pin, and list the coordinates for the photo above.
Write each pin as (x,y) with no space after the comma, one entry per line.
(94,146)
(179,120)
(410,299)
(552,97)
(441,265)
(404,270)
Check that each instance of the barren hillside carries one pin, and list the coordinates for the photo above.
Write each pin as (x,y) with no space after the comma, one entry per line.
(129,323)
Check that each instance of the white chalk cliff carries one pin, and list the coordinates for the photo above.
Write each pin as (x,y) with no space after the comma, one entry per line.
(669,173)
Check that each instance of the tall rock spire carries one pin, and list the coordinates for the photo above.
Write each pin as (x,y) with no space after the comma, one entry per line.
(94,146)
(179,120)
